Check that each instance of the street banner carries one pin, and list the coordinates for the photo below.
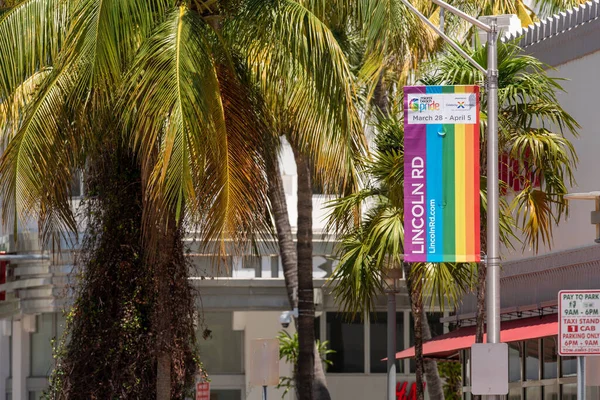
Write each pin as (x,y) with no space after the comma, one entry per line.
(441,174)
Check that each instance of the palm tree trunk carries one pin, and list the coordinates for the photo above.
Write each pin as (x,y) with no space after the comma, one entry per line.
(320,390)
(417,309)
(163,377)
(287,250)
(289,262)
(481,281)
(163,315)
(380,96)
(435,386)
(306,307)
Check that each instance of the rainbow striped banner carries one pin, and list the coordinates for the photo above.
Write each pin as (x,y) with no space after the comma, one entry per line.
(441,174)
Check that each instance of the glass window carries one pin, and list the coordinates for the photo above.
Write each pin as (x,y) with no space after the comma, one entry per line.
(514,361)
(514,393)
(317,328)
(569,392)
(550,357)
(36,395)
(551,392)
(568,365)
(225,394)
(378,341)
(41,345)
(532,360)
(533,393)
(221,347)
(466,354)
(346,338)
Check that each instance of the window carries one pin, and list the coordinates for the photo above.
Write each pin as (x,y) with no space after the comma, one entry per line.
(569,392)
(49,327)
(77,184)
(41,347)
(514,361)
(317,328)
(533,393)
(551,392)
(221,347)
(466,367)
(568,365)
(378,341)
(514,393)
(550,357)
(346,338)
(228,394)
(532,360)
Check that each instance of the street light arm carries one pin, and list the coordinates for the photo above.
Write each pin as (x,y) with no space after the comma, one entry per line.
(446,38)
(466,17)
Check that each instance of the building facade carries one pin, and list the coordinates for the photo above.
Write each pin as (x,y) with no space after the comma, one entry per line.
(569,43)
(238,304)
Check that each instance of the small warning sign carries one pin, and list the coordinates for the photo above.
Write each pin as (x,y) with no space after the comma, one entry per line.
(202,391)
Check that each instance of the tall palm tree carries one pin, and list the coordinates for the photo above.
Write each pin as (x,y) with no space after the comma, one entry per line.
(373,244)
(545,158)
(532,133)
(191,87)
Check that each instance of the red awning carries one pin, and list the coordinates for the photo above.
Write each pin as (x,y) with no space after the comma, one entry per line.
(444,346)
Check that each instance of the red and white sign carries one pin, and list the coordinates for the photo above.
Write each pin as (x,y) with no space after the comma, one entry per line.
(579,322)
(202,391)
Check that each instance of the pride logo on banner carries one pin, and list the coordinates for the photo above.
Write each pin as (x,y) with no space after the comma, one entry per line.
(441,174)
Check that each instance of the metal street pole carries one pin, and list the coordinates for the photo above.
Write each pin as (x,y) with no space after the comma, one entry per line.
(391,346)
(493,216)
(580,378)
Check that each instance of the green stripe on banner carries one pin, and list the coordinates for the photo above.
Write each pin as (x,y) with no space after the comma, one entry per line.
(449,202)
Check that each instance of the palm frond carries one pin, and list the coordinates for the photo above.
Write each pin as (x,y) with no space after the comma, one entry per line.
(183,97)
(31,36)
(35,169)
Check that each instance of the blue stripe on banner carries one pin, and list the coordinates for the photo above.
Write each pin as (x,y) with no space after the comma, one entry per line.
(435,224)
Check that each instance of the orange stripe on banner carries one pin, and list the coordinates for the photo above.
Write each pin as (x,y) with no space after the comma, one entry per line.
(470,165)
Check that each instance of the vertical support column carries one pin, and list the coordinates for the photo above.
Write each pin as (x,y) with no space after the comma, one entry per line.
(391,346)
(21,356)
(5,332)
(406,333)
(493,194)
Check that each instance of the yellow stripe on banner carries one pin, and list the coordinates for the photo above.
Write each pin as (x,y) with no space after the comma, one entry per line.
(460,188)
(460,192)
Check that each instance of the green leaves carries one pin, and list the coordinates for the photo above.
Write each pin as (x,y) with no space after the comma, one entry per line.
(532,132)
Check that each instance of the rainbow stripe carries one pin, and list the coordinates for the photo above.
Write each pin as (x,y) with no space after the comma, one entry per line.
(441,164)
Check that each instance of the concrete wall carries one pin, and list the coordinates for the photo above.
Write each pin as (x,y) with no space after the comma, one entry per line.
(580,100)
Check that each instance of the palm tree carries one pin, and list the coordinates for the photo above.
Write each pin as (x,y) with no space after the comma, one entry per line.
(532,127)
(192,89)
(545,158)
(375,244)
